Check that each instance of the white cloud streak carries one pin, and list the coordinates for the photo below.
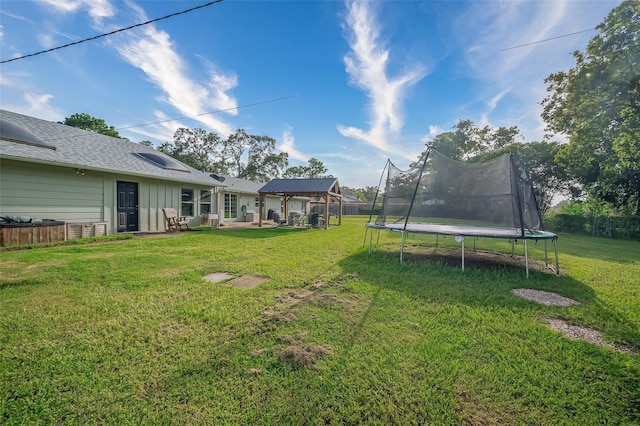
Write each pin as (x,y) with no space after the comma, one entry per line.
(97,9)
(152,51)
(366,65)
(513,80)
(288,145)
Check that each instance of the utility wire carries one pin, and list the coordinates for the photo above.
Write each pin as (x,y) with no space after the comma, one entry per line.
(207,113)
(547,39)
(112,32)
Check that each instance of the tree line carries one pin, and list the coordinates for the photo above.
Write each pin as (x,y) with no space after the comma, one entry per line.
(595,106)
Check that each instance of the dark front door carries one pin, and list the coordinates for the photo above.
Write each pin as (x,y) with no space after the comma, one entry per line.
(127,206)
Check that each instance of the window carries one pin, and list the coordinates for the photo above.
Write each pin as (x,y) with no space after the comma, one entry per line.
(187,202)
(205,201)
(230,206)
(257,202)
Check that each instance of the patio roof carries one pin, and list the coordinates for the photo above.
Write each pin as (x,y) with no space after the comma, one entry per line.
(313,187)
(325,188)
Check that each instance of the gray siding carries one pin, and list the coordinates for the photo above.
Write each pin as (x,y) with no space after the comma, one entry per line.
(49,192)
(59,193)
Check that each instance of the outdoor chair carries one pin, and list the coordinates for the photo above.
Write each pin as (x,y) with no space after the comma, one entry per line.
(174,222)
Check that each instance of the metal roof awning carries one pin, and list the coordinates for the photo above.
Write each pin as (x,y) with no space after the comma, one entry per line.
(325,188)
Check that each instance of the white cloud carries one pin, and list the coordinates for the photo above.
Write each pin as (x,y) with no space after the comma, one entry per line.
(162,131)
(366,65)
(154,54)
(37,105)
(152,51)
(288,145)
(97,9)
(433,132)
(513,80)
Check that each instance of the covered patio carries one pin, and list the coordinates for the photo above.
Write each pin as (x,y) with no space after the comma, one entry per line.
(324,189)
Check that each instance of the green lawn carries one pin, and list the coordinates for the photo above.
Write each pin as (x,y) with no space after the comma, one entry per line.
(128,332)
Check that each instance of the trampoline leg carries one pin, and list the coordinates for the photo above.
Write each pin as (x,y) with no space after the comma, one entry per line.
(474,243)
(546,261)
(462,254)
(555,246)
(404,235)
(526,257)
(378,238)
(370,241)
(437,240)
(365,236)
(513,243)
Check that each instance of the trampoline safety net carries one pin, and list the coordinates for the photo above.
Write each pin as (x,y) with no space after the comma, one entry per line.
(494,193)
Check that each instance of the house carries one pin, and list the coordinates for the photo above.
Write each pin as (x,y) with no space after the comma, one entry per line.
(240,201)
(52,171)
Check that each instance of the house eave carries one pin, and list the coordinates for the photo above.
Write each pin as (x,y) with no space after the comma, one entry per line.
(104,170)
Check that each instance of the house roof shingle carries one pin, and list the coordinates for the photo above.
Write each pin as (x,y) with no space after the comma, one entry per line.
(77,148)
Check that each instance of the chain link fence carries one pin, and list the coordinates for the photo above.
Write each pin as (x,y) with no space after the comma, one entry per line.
(622,227)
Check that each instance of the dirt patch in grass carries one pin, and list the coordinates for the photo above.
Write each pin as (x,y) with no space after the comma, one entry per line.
(287,307)
(300,352)
(478,259)
(576,332)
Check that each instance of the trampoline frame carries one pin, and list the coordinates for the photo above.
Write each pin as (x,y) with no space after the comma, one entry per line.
(463,231)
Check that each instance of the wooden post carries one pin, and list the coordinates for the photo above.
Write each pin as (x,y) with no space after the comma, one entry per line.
(326,211)
(286,209)
(340,212)
(260,209)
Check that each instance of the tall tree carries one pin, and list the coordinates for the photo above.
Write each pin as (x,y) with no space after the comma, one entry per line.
(93,124)
(240,155)
(195,147)
(469,140)
(262,162)
(597,105)
(314,169)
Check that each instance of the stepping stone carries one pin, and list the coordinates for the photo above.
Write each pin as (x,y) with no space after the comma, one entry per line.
(217,277)
(247,281)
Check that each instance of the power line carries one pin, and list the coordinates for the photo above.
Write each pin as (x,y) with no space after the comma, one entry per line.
(112,32)
(207,113)
(547,39)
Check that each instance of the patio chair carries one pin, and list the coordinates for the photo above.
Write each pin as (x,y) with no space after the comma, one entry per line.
(174,222)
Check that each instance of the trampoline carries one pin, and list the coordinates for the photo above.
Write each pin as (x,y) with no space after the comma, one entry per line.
(493,199)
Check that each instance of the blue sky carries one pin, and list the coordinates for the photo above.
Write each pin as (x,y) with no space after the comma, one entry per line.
(349,83)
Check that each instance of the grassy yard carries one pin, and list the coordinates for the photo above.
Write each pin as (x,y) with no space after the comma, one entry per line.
(128,332)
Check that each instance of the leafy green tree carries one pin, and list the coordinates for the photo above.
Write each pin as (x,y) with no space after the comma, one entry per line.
(93,124)
(469,140)
(314,169)
(262,162)
(195,147)
(146,143)
(597,105)
(240,155)
(368,193)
